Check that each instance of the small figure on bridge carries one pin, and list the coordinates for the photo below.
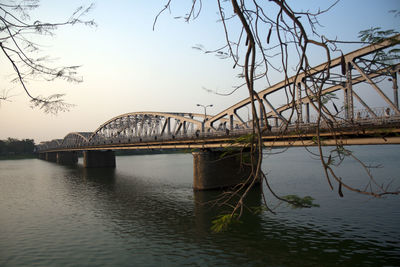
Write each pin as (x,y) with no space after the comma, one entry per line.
(387,112)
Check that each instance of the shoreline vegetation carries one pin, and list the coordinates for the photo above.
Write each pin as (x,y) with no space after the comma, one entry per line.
(12,148)
(17,156)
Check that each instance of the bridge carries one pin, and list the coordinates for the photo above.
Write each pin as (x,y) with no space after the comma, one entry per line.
(349,86)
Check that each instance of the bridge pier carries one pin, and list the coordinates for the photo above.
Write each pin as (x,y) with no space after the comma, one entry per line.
(98,159)
(211,171)
(67,157)
(51,156)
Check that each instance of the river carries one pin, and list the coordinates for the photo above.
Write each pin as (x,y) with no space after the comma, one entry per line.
(145,213)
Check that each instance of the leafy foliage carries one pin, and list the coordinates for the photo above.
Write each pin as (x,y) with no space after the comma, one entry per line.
(259,209)
(244,139)
(223,222)
(376,35)
(297,202)
(241,141)
(15,146)
(325,98)
(52,104)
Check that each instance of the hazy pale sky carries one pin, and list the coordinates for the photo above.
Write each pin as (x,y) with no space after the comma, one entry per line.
(128,67)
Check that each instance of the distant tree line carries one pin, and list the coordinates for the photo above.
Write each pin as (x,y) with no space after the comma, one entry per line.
(13,146)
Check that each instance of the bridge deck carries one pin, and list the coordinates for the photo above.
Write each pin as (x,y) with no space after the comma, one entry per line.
(358,133)
(355,96)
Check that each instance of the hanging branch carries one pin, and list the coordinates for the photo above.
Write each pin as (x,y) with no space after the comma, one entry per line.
(17,45)
(271,29)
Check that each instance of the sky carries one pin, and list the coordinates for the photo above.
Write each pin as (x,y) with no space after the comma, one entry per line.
(128,67)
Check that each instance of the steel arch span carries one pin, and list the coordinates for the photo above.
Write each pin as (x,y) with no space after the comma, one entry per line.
(352,75)
(140,126)
(338,92)
(49,145)
(76,139)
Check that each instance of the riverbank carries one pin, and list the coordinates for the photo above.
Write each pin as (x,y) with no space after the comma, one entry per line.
(17,156)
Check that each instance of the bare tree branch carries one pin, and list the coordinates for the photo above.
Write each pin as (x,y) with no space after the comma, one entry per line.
(16,30)
(271,30)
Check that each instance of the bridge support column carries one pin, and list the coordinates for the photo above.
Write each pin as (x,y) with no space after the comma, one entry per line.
(51,156)
(67,157)
(210,171)
(307,112)
(99,159)
(349,106)
(299,104)
(395,90)
(42,156)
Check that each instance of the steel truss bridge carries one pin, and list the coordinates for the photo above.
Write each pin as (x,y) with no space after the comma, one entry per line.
(347,114)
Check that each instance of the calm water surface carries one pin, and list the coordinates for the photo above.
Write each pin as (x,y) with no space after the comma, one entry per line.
(145,213)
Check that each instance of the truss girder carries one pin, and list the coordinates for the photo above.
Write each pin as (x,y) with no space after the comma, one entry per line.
(336,81)
(377,89)
(76,139)
(137,126)
(53,144)
(340,74)
(334,88)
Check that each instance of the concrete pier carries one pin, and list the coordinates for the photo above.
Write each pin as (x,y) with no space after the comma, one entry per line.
(210,171)
(99,159)
(51,156)
(67,157)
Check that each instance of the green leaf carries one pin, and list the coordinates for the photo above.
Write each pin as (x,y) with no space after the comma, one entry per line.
(297,202)
(223,222)
(376,35)
(258,209)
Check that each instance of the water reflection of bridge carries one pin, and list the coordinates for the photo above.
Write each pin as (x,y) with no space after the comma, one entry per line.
(346,113)
(133,207)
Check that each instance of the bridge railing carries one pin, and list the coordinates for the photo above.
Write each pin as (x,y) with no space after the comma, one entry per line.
(275,130)
(383,116)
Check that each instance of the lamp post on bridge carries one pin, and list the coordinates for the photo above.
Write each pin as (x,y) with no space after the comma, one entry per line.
(205,114)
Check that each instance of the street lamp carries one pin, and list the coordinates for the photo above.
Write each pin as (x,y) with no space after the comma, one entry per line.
(205,114)
(205,109)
